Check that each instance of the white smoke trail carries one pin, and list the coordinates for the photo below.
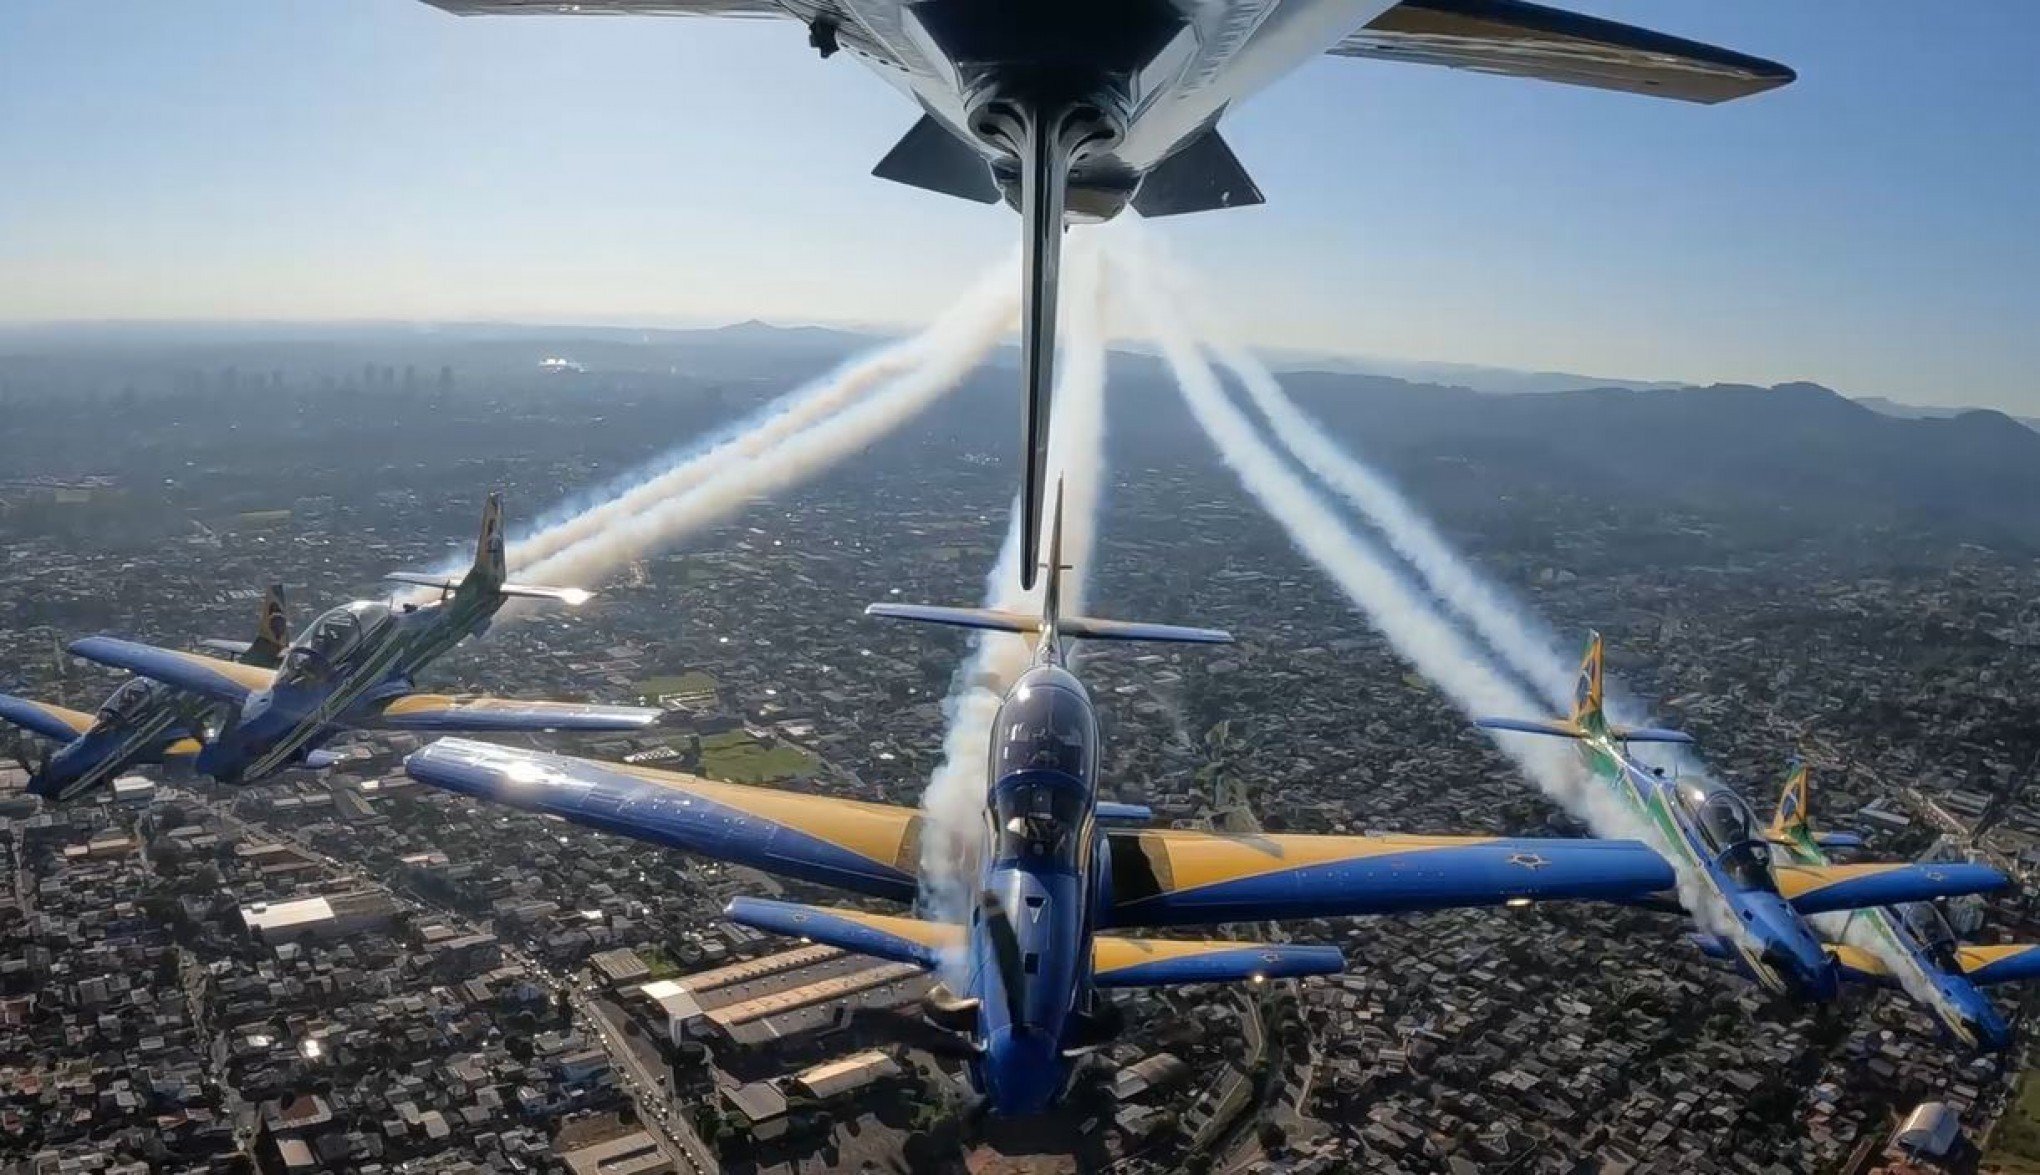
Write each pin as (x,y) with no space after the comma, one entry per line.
(585,515)
(955,346)
(1401,613)
(1522,641)
(955,799)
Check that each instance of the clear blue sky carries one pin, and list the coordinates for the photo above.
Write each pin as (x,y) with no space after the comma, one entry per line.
(1875,227)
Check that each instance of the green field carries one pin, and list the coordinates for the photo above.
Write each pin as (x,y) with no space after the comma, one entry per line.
(2015,1144)
(738,758)
(692,682)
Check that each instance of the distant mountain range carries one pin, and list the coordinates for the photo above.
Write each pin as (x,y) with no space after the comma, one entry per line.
(1798,450)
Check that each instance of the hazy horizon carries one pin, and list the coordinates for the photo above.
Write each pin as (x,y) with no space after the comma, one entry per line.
(1864,228)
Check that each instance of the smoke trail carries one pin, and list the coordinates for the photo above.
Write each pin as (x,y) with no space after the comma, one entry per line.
(955,797)
(586,514)
(955,345)
(1402,614)
(1520,639)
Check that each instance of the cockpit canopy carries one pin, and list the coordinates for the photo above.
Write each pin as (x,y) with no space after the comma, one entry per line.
(330,639)
(1731,831)
(1927,925)
(128,703)
(1044,727)
(1038,821)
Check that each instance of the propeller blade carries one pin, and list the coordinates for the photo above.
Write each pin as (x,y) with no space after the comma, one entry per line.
(1005,951)
(914,1032)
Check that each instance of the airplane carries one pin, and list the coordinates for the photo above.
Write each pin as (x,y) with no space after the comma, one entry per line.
(1752,907)
(353,669)
(1060,877)
(1919,953)
(1074,110)
(142,722)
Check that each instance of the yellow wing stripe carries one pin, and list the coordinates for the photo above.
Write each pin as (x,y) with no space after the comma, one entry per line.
(1191,860)
(182,748)
(936,936)
(248,677)
(78,721)
(1974,959)
(1797,881)
(1111,954)
(1857,959)
(878,832)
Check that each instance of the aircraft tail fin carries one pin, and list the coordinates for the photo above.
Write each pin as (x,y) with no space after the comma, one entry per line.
(1792,823)
(1589,689)
(489,576)
(272,629)
(1789,822)
(1589,718)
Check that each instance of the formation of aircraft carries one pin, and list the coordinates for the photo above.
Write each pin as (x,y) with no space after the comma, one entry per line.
(1058,877)
(353,669)
(1748,906)
(1074,110)
(1921,955)
(142,722)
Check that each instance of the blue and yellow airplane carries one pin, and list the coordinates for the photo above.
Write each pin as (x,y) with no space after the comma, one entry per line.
(353,669)
(1752,907)
(1908,947)
(142,722)
(1059,877)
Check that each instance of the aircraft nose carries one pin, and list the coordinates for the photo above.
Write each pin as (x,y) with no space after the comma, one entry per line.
(1791,951)
(1988,1028)
(59,777)
(1023,1072)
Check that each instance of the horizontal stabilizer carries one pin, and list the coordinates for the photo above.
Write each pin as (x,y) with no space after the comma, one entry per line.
(1556,728)
(1079,627)
(1648,734)
(1112,813)
(2004,963)
(51,722)
(988,619)
(882,936)
(441,712)
(1155,962)
(934,159)
(208,677)
(1819,889)
(230,648)
(1567,728)
(320,760)
(570,596)
(1091,628)
(1838,840)
(1201,176)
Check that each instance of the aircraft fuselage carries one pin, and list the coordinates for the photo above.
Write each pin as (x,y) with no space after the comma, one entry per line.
(1029,937)
(1772,943)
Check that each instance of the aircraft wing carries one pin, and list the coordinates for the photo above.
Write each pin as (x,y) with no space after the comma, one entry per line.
(1157,962)
(871,849)
(1516,39)
(52,722)
(2000,964)
(442,712)
(1164,877)
(209,677)
(752,8)
(882,936)
(1818,889)
(1115,962)
(1860,966)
